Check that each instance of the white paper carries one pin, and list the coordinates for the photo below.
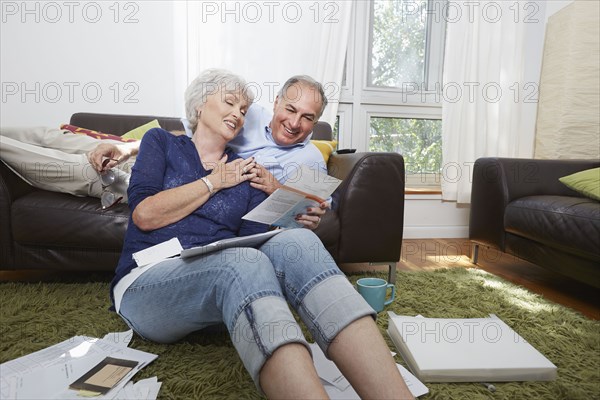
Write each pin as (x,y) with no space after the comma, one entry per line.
(158,252)
(336,394)
(146,389)
(338,387)
(416,387)
(275,206)
(121,339)
(47,374)
(327,370)
(313,181)
(282,206)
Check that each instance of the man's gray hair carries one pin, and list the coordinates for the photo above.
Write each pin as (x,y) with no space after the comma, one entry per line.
(307,81)
(211,81)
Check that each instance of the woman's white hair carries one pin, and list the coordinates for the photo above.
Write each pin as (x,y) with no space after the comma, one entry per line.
(211,81)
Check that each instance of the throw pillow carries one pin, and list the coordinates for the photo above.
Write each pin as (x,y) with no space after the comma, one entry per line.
(94,134)
(139,132)
(326,147)
(585,182)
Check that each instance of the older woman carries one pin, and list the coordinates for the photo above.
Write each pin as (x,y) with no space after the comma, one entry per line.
(197,190)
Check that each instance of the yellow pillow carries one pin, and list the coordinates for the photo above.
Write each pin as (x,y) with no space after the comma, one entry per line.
(326,147)
(139,132)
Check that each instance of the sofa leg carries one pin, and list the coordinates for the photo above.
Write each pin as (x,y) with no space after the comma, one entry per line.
(392,273)
(475,253)
(392,270)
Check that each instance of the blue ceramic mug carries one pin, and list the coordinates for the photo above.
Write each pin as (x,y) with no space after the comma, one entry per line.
(374,291)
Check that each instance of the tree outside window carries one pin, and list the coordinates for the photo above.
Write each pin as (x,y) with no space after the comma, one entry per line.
(398,34)
(418,140)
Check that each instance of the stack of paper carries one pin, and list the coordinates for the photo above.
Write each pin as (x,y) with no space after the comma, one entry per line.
(337,387)
(48,373)
(467,350)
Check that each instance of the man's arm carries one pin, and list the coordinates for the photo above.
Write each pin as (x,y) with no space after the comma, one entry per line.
(115,153)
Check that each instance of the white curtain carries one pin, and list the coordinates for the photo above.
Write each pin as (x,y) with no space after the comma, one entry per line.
(491,75)
(268,42)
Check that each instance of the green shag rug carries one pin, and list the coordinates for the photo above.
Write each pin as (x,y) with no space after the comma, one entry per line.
(206,366)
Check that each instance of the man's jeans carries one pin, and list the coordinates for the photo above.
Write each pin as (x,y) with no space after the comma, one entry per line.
(247,289)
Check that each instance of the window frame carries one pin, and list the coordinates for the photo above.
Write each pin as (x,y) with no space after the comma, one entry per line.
(415,180)
(359,102)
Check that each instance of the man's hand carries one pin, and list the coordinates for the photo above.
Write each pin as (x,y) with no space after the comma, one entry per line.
(115,153)
(313,218)
(264,180)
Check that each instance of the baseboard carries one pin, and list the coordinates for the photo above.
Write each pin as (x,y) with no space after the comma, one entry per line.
(435,232)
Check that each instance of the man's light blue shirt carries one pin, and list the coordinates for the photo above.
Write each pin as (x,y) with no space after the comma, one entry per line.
(256,140)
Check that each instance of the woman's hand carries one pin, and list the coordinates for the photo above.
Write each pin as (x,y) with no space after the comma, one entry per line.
(115,154)
(225,175)
(173,204)
(312,219)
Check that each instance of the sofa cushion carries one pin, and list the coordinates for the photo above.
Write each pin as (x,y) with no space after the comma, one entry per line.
(50,219)
(571,224)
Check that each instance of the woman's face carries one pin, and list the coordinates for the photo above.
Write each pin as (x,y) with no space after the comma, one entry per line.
(223,113)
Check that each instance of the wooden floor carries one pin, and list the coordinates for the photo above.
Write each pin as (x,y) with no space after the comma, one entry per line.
(430,254)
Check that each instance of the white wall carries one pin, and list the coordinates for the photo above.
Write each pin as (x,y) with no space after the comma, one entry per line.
(427,216)
(58,58)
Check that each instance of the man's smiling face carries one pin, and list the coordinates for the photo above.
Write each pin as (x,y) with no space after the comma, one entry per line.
(295,114)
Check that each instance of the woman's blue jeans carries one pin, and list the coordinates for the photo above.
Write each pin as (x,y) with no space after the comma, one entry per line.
(248,290)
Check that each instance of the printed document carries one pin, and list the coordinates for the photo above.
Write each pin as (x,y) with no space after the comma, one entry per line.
(309,188)
(47,373)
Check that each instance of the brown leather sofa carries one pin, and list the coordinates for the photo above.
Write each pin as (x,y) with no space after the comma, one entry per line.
(519,206)
(49,230)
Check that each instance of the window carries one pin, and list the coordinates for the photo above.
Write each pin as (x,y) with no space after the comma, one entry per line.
(418,140)
(396,45)
(390,99)
(335,131)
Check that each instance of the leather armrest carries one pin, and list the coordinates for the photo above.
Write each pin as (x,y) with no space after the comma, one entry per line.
(369,205)
(11,188)
(528,177)
(498,181)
